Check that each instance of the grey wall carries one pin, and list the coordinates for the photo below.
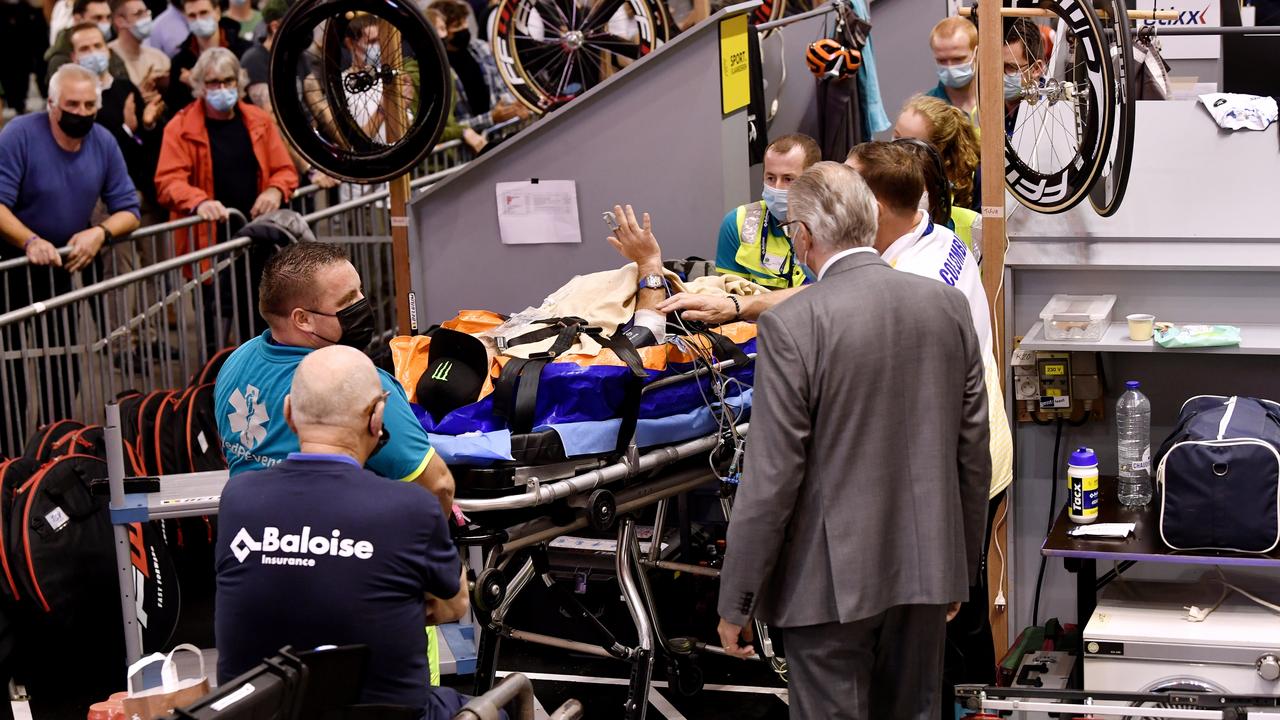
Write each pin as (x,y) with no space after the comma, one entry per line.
(652,136)
(1190,243)
(901,39)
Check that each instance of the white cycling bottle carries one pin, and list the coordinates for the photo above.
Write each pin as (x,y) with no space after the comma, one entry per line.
(1133,423)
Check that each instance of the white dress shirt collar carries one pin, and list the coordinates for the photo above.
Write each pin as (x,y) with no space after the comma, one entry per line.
(843,253)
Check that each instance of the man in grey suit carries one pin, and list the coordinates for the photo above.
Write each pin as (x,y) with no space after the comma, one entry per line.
(858,523)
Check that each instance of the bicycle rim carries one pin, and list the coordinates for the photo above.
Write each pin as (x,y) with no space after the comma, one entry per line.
(551,51)
(1109,187)
(361,118)
(1062,127)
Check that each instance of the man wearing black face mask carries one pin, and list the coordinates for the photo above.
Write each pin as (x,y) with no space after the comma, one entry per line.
(54,167)
(311,298)
(369,558)
(481,97)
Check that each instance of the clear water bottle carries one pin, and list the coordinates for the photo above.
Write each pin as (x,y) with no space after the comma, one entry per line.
(1133,420)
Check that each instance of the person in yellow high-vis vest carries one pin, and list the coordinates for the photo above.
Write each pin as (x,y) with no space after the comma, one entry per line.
(947,128)
(752,244)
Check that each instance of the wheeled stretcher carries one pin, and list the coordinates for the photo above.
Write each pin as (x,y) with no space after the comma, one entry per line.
(516,511)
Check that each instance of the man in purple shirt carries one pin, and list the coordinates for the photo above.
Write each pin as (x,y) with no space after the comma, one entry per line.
(169,30)
(54,167)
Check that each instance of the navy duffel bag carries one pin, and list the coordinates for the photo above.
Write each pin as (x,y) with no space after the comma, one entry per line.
(1219,476)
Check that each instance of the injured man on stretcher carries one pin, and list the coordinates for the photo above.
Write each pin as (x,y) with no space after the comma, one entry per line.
(486,385)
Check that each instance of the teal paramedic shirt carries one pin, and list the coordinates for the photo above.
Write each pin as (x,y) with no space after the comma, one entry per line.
(249,400)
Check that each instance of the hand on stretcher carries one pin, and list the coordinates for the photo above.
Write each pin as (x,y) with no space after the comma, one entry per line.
(736,640)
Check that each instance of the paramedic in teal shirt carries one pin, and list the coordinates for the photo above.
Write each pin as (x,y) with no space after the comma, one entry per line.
(311,298)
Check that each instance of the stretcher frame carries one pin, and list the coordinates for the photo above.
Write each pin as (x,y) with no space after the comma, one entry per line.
(1202,705)
(496,549)
(493,550)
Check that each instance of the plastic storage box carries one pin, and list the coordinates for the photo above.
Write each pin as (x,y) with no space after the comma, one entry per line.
(1077,317)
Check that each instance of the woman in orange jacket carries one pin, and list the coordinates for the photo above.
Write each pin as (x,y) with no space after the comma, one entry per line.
(221,154)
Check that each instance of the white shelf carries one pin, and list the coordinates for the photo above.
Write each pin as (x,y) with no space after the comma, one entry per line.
(1255,339)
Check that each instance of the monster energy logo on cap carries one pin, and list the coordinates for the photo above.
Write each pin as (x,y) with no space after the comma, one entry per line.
(442,371)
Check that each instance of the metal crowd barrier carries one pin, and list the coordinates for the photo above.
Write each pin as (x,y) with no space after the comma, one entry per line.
(143,318)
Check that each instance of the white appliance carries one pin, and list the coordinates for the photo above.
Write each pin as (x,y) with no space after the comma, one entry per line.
(1139,640)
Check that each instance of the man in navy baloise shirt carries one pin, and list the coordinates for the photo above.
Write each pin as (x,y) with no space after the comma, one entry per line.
(316,550)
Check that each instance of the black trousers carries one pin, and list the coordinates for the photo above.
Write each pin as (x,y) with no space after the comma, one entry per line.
(887,666)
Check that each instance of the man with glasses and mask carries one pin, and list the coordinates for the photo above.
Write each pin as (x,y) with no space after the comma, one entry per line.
(319,550)
(311,298)
(208,30)
(54,168)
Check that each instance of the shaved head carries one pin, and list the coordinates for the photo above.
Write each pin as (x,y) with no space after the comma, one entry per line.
(336,387)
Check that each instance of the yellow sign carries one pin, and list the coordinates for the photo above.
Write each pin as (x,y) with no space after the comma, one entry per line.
(1054,370)
(735,71)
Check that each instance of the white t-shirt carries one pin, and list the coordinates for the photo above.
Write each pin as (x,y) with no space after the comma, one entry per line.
(933,251)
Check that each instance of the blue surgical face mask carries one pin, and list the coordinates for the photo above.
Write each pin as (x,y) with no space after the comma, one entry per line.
(956,76)
(105,27)
(776,201)
(94,62)
(142,28)
(373,55)
(222,99)
(203,27)
(1012,86)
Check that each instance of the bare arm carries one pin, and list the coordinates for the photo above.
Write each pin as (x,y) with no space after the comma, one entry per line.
(719,310)
(635,242)
(441,611)
(438,481)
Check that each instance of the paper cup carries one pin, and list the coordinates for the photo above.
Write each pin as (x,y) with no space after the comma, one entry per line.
(1141,327)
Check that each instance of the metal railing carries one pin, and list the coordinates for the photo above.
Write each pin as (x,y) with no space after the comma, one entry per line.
(144,317)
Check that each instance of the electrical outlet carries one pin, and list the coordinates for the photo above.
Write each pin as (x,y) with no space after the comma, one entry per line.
(1026,387)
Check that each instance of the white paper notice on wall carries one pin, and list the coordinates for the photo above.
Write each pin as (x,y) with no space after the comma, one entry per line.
(538,212)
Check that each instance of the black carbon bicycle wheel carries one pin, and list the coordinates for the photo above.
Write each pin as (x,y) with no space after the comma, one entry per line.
(551,51)
(1061,130)
(355,114)
(1108,189)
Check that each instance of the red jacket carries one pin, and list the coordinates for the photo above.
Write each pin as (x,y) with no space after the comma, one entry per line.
(184,175)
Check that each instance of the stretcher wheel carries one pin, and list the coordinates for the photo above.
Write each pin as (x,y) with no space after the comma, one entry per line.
(490,589)
(602,511)
(685,675)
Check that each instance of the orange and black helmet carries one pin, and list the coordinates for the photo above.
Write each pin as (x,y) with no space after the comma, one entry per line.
(828,58)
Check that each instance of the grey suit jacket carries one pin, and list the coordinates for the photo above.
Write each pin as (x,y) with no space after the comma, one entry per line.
(867,464)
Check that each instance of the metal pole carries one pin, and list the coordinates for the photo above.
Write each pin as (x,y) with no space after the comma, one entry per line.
(124,564)
(823,10)
(1232,30)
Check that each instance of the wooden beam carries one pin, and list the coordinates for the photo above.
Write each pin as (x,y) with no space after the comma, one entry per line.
(395,122)
(991,119)
(1042,13)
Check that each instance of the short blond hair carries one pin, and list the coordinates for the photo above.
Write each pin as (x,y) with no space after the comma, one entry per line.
(948,27)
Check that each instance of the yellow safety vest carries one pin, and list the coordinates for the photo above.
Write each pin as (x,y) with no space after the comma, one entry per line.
(963,219)
(770,258)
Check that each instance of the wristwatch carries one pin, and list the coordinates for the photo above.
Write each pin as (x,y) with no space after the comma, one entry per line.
(653,281)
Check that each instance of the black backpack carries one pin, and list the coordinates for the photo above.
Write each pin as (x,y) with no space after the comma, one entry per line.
(209,372)
(149,411)
(13,475)
(187,438)
(39,447)
(70,625)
